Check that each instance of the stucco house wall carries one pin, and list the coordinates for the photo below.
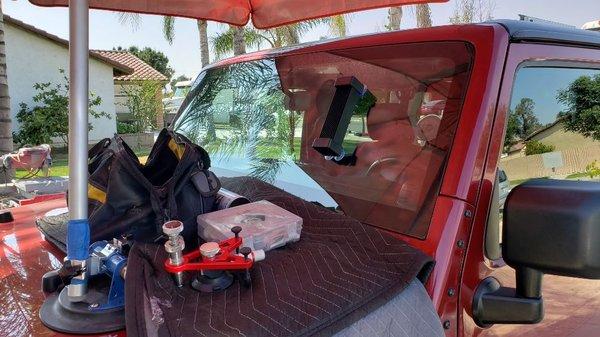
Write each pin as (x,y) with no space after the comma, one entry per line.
(32,58)
(562,140)
(576,151)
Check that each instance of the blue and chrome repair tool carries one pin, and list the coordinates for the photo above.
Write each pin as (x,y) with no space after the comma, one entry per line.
(87,295)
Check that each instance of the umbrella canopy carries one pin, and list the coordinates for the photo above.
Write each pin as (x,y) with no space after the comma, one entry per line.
(264,13)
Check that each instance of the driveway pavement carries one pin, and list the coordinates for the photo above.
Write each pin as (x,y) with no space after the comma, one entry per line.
(572,308)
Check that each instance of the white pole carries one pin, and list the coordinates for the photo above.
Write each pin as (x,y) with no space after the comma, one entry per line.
(78,107)
(78,231)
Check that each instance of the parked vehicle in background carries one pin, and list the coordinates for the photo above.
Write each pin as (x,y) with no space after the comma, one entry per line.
(172,104)
(504,187)
(592,25)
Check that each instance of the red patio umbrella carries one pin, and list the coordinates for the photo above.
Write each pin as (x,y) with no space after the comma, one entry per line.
(264,13)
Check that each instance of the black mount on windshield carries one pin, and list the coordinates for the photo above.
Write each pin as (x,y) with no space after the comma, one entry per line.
(351,97)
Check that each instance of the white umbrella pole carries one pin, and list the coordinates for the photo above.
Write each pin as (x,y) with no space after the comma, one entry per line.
(78,107)
(78,233)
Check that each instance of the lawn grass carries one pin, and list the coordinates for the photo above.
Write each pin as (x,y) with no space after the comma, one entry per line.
(516,182)
(60,160)
(577,175)
(572,176)
(60,164)
(59,167)
(271,151)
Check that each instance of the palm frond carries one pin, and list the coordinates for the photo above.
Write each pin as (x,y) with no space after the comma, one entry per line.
(132,19)
(168,28)
(222,43)
(394,18)
(253,38)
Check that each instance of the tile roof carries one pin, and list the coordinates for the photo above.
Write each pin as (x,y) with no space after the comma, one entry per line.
(121,69)
(546,127)
(142,71)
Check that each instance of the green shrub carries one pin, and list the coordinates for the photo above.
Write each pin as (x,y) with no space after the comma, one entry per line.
(537,147)
(592,170)
(49,118)
(143,104)
(123,127)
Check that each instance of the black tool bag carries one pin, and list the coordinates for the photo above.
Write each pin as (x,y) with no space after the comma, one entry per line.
(126,197)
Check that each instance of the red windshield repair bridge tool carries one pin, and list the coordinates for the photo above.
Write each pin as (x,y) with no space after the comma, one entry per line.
(213,260)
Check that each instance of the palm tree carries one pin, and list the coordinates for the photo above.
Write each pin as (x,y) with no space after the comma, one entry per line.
(223,43)
(468,11)
(423,14)
(169,33)
(394,18)
(338,25)
(238,41)
(203,34)
(6,141)
(287,35)
(168,27)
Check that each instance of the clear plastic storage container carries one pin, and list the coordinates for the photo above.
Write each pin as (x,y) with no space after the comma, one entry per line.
(264,225)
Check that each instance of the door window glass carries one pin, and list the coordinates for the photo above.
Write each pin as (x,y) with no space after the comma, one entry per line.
(553,127)
(552,132)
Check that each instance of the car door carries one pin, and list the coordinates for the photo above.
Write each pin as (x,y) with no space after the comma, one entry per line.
(545,127)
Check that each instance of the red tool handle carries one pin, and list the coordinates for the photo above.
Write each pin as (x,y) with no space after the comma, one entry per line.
(226,259)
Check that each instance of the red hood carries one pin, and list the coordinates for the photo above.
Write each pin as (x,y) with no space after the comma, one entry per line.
(24,258)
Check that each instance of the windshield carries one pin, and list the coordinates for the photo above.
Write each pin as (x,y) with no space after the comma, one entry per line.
(260,118)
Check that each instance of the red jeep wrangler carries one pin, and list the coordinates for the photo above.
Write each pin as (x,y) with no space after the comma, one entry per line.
(422,164)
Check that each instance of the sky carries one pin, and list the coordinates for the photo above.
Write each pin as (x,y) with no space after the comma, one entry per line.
(107,32)
(543,85)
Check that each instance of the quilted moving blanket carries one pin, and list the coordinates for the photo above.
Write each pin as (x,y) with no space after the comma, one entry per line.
(339,272)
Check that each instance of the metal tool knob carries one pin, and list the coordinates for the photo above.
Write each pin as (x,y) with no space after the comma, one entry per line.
(172,228)
(210,249)
(245,251)
(175,246)
(236,231)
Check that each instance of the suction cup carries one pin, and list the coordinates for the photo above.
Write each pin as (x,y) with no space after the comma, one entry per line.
(85,317)
(212,281)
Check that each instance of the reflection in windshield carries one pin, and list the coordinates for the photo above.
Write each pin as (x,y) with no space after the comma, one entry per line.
(260,118)
(238,111)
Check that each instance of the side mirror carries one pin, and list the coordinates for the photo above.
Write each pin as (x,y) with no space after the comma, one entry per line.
(552,227)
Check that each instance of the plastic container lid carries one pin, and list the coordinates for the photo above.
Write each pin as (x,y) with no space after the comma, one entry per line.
(264,225)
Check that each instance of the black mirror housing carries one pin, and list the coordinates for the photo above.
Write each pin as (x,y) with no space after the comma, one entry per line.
(553,226)
(550,226)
